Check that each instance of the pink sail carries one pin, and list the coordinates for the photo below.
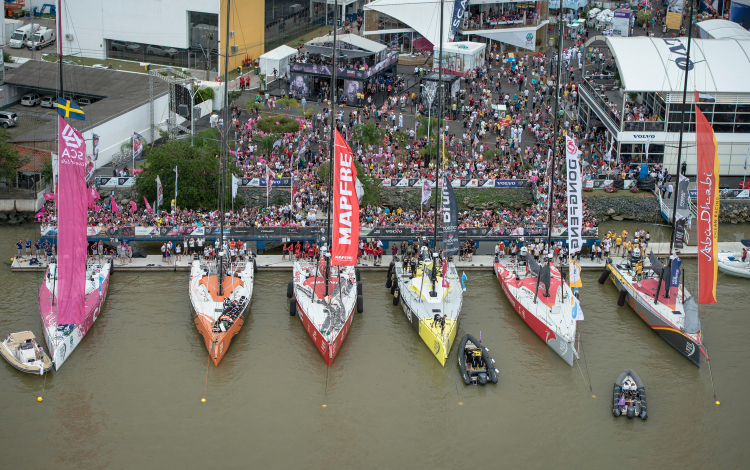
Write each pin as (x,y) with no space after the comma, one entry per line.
(72,215)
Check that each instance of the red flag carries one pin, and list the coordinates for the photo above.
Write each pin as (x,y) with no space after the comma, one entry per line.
(345,205)
(708,208)
(148,206)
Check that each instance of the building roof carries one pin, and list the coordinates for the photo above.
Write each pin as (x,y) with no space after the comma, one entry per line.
(654,64)
(121,92)
(721,29)
(279,53)
(367,45)
(422,15)
(35,157)
(464,47)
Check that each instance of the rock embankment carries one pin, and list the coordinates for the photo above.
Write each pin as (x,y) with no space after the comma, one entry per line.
(640,209)
(734,212)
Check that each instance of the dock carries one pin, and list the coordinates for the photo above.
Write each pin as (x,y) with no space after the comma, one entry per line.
(275,263)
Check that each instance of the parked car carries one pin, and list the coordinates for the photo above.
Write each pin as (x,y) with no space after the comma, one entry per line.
(133,47)
(101,66)
(84,101)
(32,99)
(117,46)
(8,119)
(161,51)
(48,102)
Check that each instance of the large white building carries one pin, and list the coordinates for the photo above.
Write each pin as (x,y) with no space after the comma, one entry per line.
(650,77)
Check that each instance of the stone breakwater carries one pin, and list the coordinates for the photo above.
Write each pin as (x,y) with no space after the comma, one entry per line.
(640,209)
(734,212)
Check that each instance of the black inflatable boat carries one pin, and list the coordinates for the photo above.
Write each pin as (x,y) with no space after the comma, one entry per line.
(629,396)
(475,362)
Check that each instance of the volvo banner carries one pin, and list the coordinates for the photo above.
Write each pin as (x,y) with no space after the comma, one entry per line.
(575,203)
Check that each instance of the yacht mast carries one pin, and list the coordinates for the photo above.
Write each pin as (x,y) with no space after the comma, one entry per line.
(222,162)
(329,243)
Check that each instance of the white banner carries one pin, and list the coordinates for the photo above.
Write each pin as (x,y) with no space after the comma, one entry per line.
(521,37)
(575,204)
(235,186)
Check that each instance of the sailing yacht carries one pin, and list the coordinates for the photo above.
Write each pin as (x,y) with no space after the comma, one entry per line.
(427,288)
(221,290)
(539,293)
(657,295)
(74,288)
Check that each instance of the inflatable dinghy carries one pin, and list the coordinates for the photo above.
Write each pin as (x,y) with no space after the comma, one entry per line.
(475,362)
(629,396)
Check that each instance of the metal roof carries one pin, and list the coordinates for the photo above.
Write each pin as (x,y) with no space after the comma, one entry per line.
(120,91)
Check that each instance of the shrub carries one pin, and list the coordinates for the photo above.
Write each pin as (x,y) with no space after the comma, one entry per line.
(204,94)
(278,125)
(610,189)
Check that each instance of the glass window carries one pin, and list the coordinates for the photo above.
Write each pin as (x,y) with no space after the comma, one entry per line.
(723,117)
(725,108)
(724,128)
(742,128)
(743,108)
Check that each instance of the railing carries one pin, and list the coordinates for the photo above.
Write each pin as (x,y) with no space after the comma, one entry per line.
(644,126)
(593,93)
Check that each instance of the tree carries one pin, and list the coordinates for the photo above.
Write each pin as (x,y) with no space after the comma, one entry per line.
(370,185)
(423,125)
(368,134)
(10,159)
(199,174)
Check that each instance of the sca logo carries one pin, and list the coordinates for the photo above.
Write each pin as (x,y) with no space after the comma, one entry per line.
(529,37)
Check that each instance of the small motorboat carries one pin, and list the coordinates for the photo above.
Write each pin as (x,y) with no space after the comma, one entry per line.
(629,398)
(23,352)
(732,264)
(474,360)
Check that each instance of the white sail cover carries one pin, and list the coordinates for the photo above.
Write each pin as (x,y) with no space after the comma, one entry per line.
(575,204)
(422,15)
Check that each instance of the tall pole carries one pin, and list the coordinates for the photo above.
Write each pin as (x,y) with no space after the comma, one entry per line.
(438,197)
(59,43)
(222,162)
(555,146)
(331,149)
(682,129)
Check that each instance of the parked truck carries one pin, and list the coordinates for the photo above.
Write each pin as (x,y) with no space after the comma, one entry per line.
(42,38)
(21,35)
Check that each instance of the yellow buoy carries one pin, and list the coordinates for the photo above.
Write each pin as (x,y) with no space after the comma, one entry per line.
(324,406)
(460,403)
(203,400)
(593,396)
(717,402)
(40,399)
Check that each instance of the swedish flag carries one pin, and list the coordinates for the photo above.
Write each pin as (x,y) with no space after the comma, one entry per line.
(66,108)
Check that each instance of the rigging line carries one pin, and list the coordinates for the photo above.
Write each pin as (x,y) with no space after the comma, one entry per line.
(161,119)
(205,386)
(580,343)
(328,375)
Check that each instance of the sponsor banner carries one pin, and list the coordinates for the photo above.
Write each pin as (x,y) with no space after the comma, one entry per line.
(345,206)
(575,201)
(278,233)
(325,70)
(708,208)
(459,7)
(449,212)
(118,182)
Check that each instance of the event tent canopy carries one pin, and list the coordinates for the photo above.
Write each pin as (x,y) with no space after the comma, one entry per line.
(721,29)
(350,45)
(656,64)
(421,15)
(276,59)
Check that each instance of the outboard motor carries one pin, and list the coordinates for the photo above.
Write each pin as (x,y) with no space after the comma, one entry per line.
(631,412)
(482,378)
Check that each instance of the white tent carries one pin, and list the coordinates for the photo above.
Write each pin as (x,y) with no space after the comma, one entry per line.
(460,57)
(721,29)
(276,59)
(654,64)
(422,15)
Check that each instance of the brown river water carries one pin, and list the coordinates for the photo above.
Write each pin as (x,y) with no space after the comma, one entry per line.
(129,396)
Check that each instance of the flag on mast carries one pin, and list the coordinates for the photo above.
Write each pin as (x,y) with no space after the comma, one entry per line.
(176,175)
(235,186)
(159,192)
(708,208)
(345,234)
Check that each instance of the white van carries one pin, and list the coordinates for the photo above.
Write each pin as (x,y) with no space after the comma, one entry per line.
(42,38)
(21,35)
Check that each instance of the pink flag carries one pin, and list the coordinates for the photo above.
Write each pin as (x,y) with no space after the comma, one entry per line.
(48,196)
(269,180)
(148,206)
(115,209)
(133,206)
(72,216)
(40,214)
